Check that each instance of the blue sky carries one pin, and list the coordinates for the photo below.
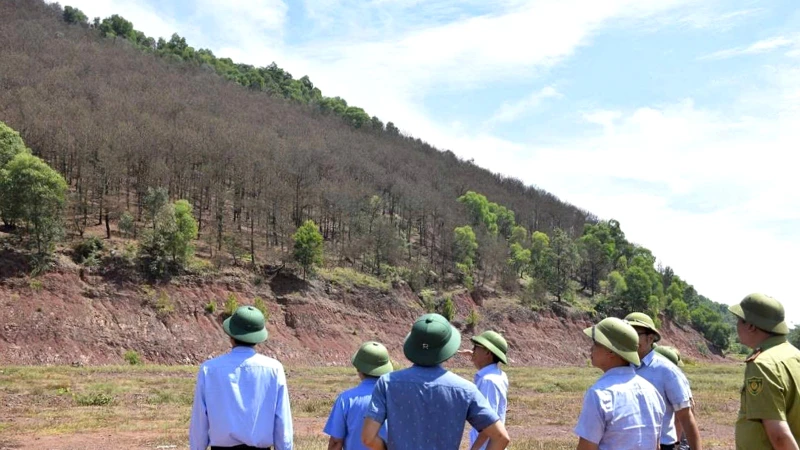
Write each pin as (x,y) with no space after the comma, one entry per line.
(679,118)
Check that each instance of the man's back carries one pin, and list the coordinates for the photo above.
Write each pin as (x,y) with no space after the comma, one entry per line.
(241,398)
(770,392)
(492,382)
(427,407)
(621,411)
(673,387)
(347,415)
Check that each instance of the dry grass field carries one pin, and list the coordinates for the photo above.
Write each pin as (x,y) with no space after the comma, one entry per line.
(148,407)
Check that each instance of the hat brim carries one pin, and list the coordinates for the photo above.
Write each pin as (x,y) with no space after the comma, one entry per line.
(248,337)
(637,324)
(629,356)
(760,322)
(433,356)
(491,347)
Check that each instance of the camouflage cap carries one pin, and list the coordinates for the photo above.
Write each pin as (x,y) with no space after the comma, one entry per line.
(618,336)
(642,320)
(763,311)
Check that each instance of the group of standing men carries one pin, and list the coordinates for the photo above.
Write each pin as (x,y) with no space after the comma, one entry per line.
(642,400)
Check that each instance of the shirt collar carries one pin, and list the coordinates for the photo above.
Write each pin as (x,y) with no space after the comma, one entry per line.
(648,358)
(621,370)
(244,349)
(491,368)
(368,381)
(770,342)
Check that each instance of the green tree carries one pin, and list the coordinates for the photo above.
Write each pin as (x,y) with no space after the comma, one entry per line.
(185,232)
(11,144)
(33,196)
(75,16)
(639,289)
(794,336)
(308,246)
(116,25)
(465,246)
(479,211)
(154,201)
(565,259)
(448,309)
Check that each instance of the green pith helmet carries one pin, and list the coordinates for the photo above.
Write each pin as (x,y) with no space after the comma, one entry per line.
(618,336)
(642,320)
(246,325)
(493,342)
(432,341)
(670,353)
(372,359)
(763,311)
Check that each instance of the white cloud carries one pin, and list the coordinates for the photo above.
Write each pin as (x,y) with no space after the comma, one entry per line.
(511,111)
(762,46)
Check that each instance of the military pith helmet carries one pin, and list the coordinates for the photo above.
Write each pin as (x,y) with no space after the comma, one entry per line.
(670,353)
(763,311)
(493,342)
(372,359)
(432,341)
(246,325)
(618,336)
(642,320)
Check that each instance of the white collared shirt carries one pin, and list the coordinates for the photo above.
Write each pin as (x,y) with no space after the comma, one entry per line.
(492,382)
(672,385)
(621,411)
(241,398)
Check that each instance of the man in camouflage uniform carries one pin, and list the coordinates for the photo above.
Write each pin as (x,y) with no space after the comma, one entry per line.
(769,416)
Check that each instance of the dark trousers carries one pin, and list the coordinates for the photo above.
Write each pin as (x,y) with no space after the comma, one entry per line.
(239,447)
(668,447)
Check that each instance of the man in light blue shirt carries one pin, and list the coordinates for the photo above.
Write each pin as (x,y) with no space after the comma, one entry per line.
(621,411)
(670,382)
(426,405)
(241,400)
(348,412)
(489,350)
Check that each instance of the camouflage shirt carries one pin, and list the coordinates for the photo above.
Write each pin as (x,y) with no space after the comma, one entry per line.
(770,392)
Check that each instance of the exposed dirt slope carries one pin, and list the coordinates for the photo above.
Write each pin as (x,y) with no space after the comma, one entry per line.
(67,318)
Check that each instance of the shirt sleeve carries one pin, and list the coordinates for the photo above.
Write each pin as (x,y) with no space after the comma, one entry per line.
(591,423)
(764,395)
(283,436)
(336,427)
(480,413)
(198,425)
(677,390)
(377,403)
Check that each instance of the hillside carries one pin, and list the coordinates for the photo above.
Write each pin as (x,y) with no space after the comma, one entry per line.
(64,317)
(133,130)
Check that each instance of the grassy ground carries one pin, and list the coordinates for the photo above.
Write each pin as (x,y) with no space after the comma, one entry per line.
(149,406)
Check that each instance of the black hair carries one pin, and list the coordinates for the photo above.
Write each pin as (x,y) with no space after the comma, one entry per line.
(239,343)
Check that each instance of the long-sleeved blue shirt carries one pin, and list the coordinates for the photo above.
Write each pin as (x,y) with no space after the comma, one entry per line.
(492,382)
(241,398)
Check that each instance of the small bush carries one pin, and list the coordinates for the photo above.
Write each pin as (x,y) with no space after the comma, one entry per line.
(132,358)
(448,309)
(259,304)
(703,348)
(94,399)
(87,249)
(231,304)
(164,305)
(428,300)
(473,318)
(211,307)
(35,285)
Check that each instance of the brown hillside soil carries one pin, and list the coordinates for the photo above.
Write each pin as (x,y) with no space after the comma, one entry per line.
(63,317)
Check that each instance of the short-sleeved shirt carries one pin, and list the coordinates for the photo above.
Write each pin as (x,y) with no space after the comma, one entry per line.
(621,411)
(347,415)
(492,382)
(427,407)
(770,392)
(673,387)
